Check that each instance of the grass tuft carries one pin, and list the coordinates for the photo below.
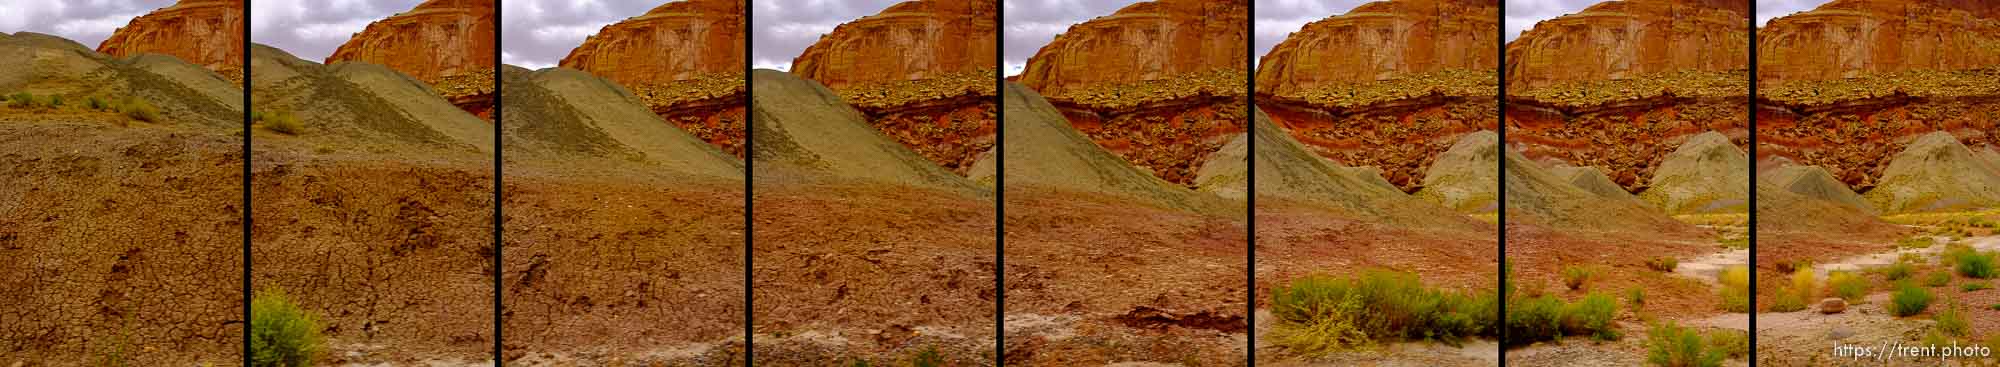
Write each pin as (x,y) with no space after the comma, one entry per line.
(1576,276)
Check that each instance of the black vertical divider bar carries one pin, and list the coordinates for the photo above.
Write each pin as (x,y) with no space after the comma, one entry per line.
(749,160)
(246,182)
(1752,20)
(1250,199)
(1000,193)
(1500,102)
(499,193)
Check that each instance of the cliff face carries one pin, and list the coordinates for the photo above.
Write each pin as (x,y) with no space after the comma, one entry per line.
(921,71)
(1850,84)
(1624,39)
(202,32)
(1160,83)
(446,43)
(1855,38)
(1391,84)
(685,59)
(1144,41)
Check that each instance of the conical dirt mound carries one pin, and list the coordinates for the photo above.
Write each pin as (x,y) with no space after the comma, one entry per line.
(801,130)
(47,65)
(1814,182)
(560,112)
(1936,173)
(361,102)
(1463,178)
(1287,171)
(1044,151)
(1707,174)
(1592,180)
(1537,197)
(1781,210)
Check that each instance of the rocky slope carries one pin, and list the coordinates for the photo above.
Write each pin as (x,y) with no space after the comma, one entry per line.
(445,43)
(921,71)
(1619,85)
(684,59)
(1851,83)
(1159,83)
(1413,88)
(203,32)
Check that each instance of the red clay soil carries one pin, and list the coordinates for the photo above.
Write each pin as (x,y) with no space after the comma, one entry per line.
(1143,283)
(718,121)
(862,271)
(1297,240)
(611,264)
(1401,138)
(1537,256)
(393,252)
(119,241)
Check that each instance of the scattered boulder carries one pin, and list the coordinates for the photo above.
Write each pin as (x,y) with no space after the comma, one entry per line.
(1707,174)
(1832,305)
(1935,173)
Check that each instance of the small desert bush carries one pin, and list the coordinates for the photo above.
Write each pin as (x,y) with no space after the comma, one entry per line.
(1805,283)
(55,101)
(1909,299)
(1670,345)
(1975,265)
(256,116)
(139,109)
(1730,343)
(1974,286)
(1591,315)
(1735,291)
(1952,321)
(282,333)
(284,122)
(1920,241)
(1789,266)
(1636,297)
(1787,300)
(1534,319)
(1576,276)
(22,100)
(96,104)
(1847,286)
(1937,279)
(1319,314)
(1663,264)
(1899,271)
(927,358)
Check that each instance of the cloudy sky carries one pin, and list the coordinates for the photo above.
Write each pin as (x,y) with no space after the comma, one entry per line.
(781,29)
(536,34)
(1767,9)
(86,22)
(1279,18)
(1031,24)
(1523,14)
(312,29)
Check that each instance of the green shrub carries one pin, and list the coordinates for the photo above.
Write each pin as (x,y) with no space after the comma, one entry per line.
(1899,271)
(1805,283)
(1937,279)
(1635,297)
(55,101)
(1952,321)
(1591,315)
(96,104)
(1663,264)
(281,333)
(1317,314)
(1847,286)
(22,100)
(1920,241)
(1975,265)
(1974,286)
(1735,290)
(1530,320)
(1909,300)
(1787,300)
(139,109)
(284,122)
(1730,343)
(1670,345)
(1575,276)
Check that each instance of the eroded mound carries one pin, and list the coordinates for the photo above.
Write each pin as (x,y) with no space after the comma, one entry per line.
(366,104)
(1537,197)
(1936,173)
(1044,151)
(52,66)
(563,112)
(1813,182)
(802,130)
(1591,179)
(1707,174)
(1287,171)
(1464,178)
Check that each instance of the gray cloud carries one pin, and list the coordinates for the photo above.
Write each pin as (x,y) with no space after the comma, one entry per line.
(86,22)
(312,29)
(1768,9)
(1276,19)
(1031,24)
(537,34)
(782,29)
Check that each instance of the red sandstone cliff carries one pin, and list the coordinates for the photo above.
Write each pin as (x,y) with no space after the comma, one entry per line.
(202,32)
(1391,84)
(447,43)
(685,59)
(1623,39)
(1854,38)
(922,71)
